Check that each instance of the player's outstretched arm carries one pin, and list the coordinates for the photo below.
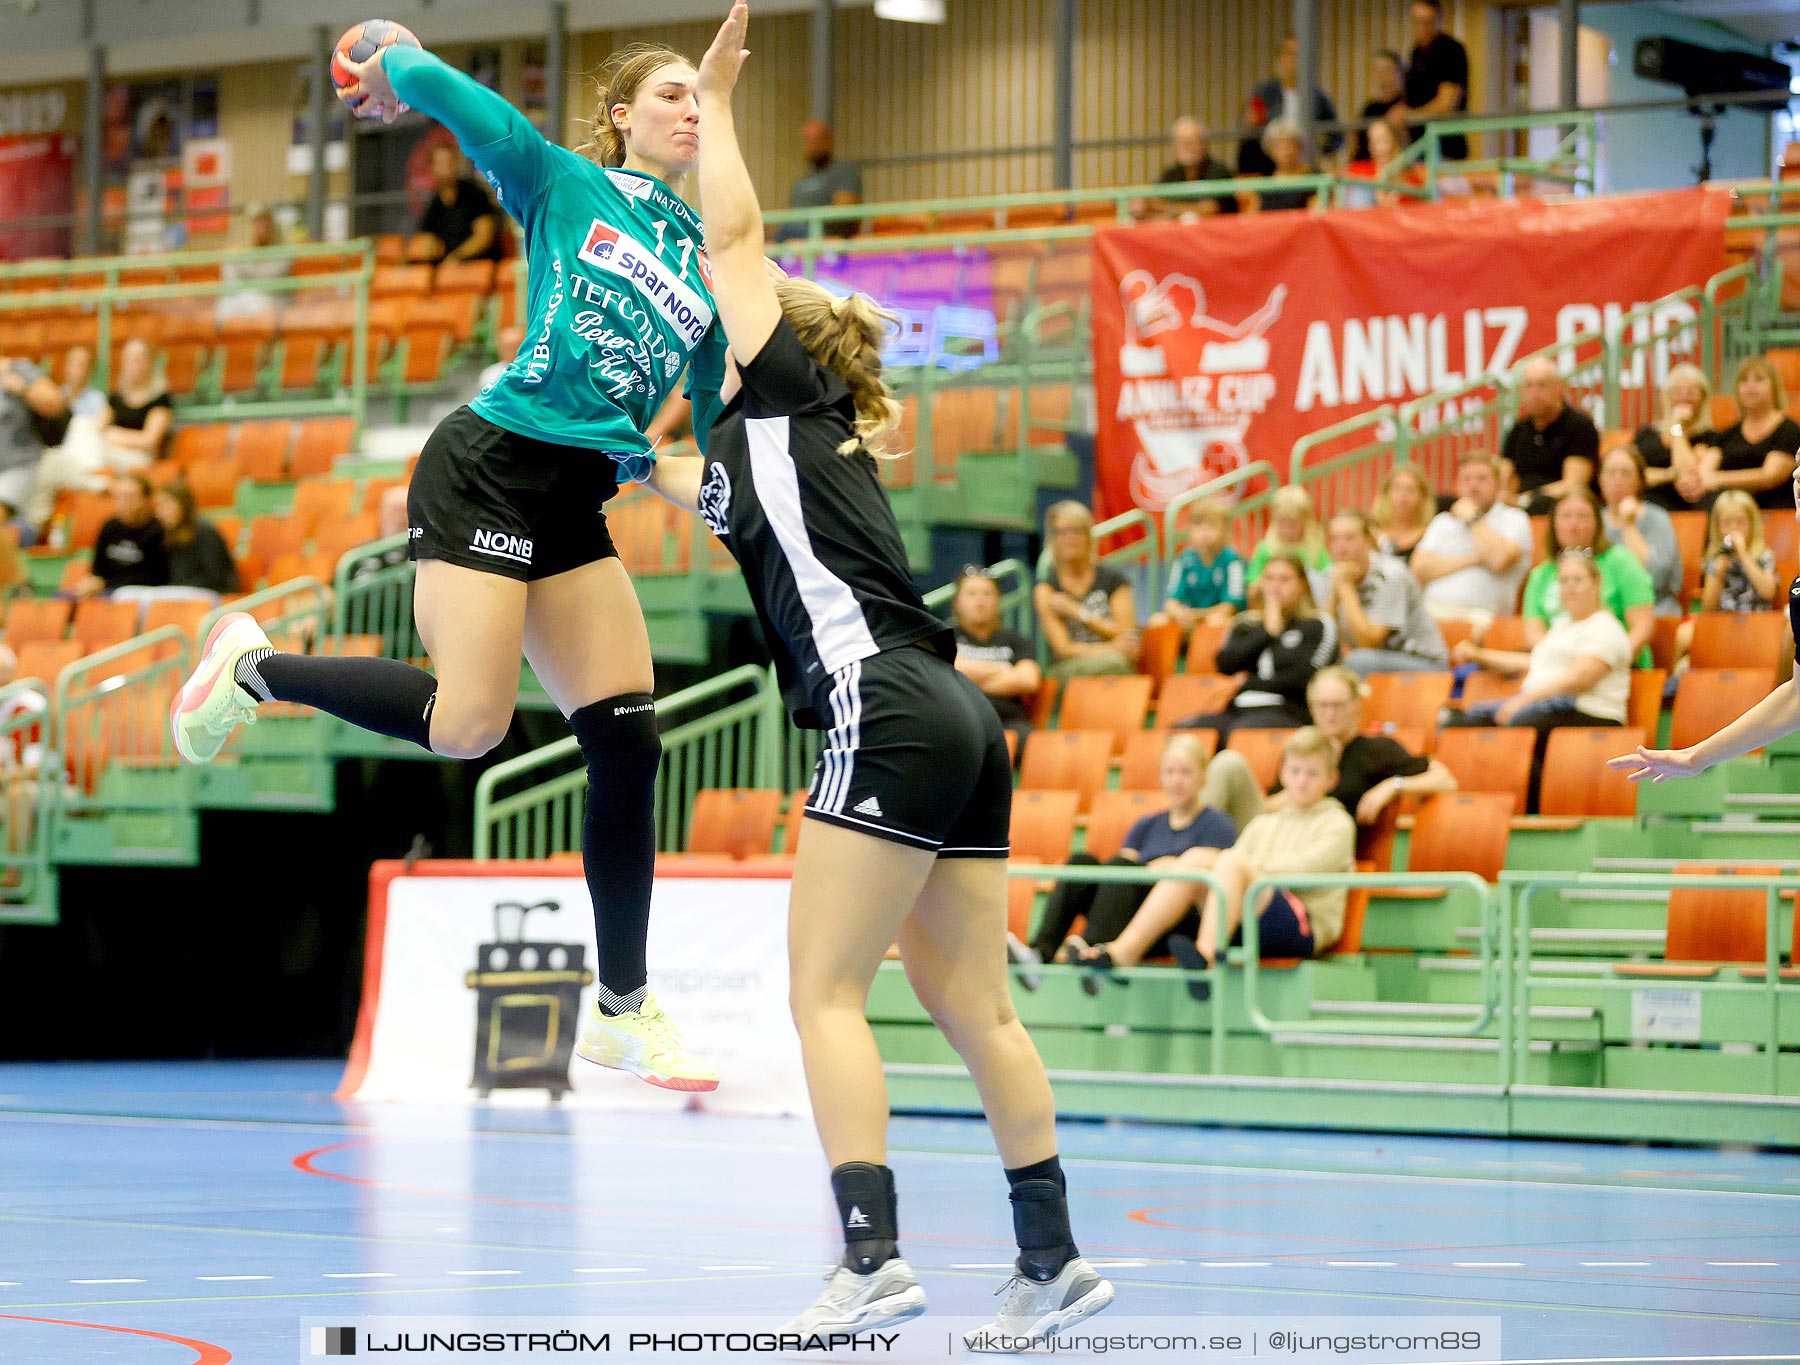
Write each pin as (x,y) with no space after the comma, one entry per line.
(676,480)
(1775,715)
(741,283)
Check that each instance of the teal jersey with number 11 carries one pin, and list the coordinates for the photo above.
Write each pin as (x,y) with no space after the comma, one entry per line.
(619,294)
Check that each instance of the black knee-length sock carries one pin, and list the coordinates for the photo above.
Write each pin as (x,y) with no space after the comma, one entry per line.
(384,695)
(618,739)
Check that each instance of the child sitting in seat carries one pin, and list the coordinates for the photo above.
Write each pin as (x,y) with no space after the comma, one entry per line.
(1739,572)
(1293,529)
(1206,582)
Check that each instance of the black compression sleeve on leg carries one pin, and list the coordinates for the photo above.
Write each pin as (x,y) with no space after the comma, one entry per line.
(384,695)
(618,839)
(1040,1203)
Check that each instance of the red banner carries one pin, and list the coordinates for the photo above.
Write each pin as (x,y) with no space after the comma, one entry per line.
(37,180)
(1224,342)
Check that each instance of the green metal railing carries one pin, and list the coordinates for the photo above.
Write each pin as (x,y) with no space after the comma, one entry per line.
(1572,162)
(113,708)
(30,795)
(92,283)
(372,595)
(1342,465)
(1526,887)
(532,806)
(1249,511)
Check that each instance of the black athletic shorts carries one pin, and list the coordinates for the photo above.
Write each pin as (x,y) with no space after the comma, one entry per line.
(915,756)
(489,499)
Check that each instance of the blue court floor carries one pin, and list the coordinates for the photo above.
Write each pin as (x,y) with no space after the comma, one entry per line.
(201,1212)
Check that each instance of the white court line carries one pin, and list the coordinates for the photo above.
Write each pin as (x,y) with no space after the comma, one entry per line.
(1616,1263)
(1488,1265)
(359,1274)
(9,1284)
(1361,1263)
(484,1272)
(1726,1263)
(608,1270)
(105,1281)
(220,1278)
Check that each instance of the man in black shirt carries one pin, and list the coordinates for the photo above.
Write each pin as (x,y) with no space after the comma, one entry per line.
(1437,77)
(129,552)
(459,224)
(999,661)
(1187,140)
(1554,448)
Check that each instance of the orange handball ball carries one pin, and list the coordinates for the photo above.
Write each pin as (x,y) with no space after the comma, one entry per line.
(359,43)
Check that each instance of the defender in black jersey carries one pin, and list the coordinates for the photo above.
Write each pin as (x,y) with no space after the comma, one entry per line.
(910,803)
(1775,715)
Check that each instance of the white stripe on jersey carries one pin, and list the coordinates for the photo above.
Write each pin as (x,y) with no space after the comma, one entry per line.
(840,631)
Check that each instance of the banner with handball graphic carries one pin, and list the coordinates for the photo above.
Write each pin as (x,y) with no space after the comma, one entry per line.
(1223,342)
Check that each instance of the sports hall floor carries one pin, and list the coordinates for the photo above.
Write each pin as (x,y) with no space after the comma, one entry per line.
(222,1204)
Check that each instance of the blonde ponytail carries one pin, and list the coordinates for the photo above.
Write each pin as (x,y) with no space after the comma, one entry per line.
(845,334)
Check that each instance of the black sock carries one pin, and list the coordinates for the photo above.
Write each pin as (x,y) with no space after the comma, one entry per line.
(384,695)
(618,839)
(1040,1200)
(869,1212)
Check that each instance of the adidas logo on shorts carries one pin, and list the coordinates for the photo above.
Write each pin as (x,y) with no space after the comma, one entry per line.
(869,807)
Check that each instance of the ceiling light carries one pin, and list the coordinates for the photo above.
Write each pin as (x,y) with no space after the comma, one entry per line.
(911,11)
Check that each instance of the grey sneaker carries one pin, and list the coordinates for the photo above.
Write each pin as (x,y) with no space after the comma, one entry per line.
(861,1303)
(1021,954)
(1035,1311)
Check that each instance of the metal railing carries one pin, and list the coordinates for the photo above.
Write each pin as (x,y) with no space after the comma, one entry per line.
(372,596)
(1246,493)
(532,806)
(113,707)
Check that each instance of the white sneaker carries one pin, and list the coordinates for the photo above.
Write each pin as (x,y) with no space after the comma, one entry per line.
(1036,1310)
(210,704)
(1023,955)
(855,1303)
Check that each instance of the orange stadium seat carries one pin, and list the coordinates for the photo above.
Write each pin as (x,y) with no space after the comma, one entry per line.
(272,535)
(1203,647)
(1042,833)
(1490,760)
(100,623)
(214,482)
(464,277)
(1193,694)
(74,573)
(1644,708)
(1066,760)
(1115,704)
(1261,749)
(1506,633)
(44,659)
(32,620)
(427,348)
(1690,539)
(318,503)
(337,539)
(1576,778)
(1487,687)
(88,512)
(1732,639)
(1710,698)
(1462,832)
(1140,767)
(185,616)
(320,441)
(400,281)
(793,819)
(1708,926)
(1112,817)
(737,823)
(1412,699)
(1159,653)
(261,450)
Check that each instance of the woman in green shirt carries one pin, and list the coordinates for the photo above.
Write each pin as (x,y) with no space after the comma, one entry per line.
(1625,587)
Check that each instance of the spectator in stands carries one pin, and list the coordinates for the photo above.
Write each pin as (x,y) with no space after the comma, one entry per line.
(1578,672)
(198,555)
(1641,527)
(1126,920)
(1293,530)
(1387,88)
(1672,469)
(1206,581)
(31,406)
(1381,616)
(1001,662)
(1472,558)
(1757,453)
(1437,78)
(1084,609)
(1739,572)
(1308,833)
(1286,150)
(78,389)
(264,233)
(1625,587)
(1281,645)
(1277,100)
(460,222)
(1404,507)
(139,411)
(130,552)
(1384,146)
(1372,770)
(390,521)
(1191,163)
(827,182)
(1553,446)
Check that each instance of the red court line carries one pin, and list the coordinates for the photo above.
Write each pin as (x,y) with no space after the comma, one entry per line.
(205,1352)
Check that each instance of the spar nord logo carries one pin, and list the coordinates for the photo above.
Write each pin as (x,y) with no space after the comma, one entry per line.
(502,546)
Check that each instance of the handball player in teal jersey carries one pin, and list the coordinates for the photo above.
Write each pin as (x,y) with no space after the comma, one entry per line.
(505,513)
